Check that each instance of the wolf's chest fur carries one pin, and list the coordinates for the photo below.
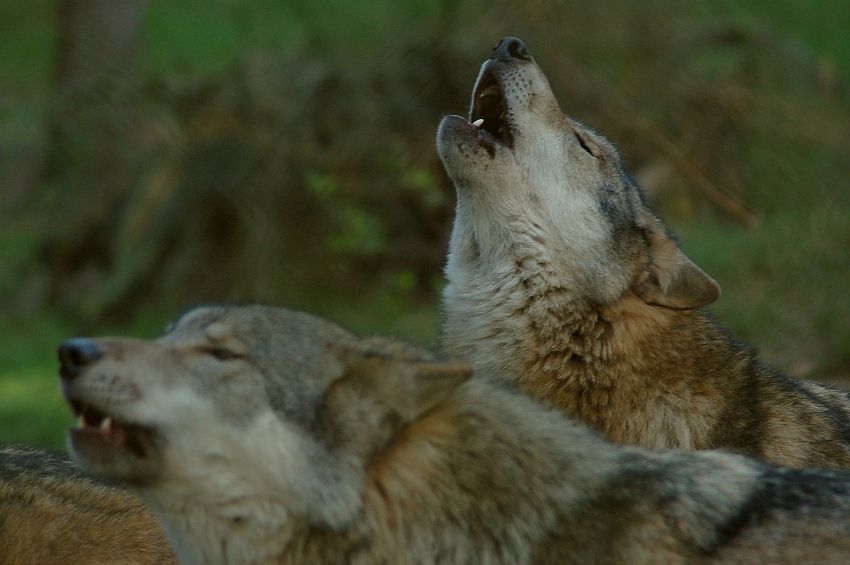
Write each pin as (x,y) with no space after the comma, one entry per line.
(527,327)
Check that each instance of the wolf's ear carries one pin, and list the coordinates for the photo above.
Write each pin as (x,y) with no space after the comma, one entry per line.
(409,387)
(435,381)
(672,280)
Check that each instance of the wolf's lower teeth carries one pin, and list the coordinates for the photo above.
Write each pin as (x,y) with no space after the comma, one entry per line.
(106,423)
(478,123)
(81,422)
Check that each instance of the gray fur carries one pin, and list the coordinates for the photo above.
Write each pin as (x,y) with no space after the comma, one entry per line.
(272,436)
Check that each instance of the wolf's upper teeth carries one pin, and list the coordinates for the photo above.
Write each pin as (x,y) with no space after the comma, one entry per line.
(477,123)
(106,423)
(81,422)
(491,90)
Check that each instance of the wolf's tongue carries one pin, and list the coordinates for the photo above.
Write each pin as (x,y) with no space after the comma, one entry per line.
(117,436)
(97,439)
(106,432)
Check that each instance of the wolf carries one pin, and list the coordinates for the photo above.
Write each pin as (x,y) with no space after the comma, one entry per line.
(561,279)
(264,435)
(52,514)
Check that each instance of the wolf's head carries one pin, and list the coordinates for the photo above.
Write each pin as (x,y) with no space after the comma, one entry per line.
(238,403)
(536,187)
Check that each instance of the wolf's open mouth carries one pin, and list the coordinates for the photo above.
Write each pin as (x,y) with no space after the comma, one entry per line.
(95,427)
(489,105)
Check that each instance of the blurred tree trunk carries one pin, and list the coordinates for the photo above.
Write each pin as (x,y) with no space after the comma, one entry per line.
(92,152)
(97,71)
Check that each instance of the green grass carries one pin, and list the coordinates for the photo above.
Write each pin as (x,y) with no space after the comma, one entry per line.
(31,407)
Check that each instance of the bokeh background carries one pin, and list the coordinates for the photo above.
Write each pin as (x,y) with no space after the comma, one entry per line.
(161,153)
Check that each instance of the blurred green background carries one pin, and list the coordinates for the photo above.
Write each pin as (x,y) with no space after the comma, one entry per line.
(161,153)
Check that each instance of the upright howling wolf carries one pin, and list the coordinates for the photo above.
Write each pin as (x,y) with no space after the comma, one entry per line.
(562,279)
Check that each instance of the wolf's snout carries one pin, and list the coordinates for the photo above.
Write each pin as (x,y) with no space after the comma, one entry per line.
(76,353)
(511,48)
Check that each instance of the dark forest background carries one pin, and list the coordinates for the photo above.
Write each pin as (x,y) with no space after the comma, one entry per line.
(161,153)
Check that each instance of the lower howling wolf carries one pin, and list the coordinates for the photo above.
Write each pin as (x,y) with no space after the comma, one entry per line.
(263,435)
(561,278)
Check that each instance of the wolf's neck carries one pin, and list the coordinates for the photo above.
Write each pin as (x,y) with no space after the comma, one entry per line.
(524,316)
(251,531)
(527,323)
(244,516)
(530,327)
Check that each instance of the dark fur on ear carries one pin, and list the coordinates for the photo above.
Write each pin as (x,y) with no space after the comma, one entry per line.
(409,387)
(435,381)
(385,385)
(671,279)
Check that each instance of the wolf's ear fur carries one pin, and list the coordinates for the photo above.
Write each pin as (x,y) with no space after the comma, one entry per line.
(672,280)
(409,387)
(434,381)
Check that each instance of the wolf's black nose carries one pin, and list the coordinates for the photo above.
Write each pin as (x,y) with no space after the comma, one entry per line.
(511,48)
(76,353)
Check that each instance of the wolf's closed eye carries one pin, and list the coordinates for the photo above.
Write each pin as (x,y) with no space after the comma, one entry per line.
(221,353)
(584,145)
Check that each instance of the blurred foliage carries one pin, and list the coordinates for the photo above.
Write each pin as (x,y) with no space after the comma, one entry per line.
(284,152)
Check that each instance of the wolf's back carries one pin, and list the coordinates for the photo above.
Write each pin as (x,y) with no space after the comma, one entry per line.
(52,514)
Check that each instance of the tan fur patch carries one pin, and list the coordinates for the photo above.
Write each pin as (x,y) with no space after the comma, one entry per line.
(414,456)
